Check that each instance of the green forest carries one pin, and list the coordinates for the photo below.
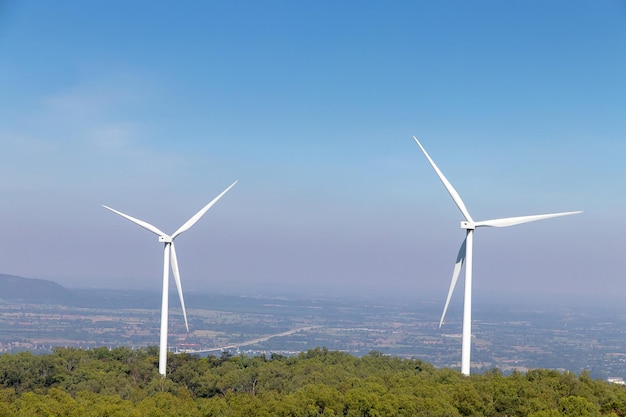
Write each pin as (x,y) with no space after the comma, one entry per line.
(124,382)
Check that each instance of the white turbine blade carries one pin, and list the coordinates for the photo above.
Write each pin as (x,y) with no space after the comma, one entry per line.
(179,287)
(455,276)
(141,223)
(512,221)
(199,214)
(455,196)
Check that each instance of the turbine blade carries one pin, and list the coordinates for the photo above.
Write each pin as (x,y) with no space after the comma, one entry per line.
(455,276)
(455,196)
(199,214)
(141,223)
(512,221)
(179,287)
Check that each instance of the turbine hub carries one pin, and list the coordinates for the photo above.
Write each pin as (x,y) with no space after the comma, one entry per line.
(165,239)
(467,225)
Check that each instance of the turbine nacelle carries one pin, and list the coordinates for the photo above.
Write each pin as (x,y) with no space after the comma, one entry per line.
(468,225)
(165,239)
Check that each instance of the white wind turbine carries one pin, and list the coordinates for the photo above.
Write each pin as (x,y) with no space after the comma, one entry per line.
(169,255)
(465,255)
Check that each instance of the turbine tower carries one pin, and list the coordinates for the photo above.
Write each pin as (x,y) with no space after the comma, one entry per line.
(170,260)
(465,256)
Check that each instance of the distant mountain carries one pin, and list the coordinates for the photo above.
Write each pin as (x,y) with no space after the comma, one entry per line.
(14,288)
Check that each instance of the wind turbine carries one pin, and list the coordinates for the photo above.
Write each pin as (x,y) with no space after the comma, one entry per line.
(465,255)
(169,256)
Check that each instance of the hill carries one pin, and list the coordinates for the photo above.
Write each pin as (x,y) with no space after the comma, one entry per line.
(16,289)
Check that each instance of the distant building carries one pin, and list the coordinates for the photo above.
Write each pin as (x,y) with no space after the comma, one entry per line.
(616,380)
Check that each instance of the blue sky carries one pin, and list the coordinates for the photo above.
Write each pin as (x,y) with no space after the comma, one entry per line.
(153,108)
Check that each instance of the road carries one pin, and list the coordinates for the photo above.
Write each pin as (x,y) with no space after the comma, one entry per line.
(248,343)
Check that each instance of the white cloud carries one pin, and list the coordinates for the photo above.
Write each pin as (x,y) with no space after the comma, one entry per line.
(81,134)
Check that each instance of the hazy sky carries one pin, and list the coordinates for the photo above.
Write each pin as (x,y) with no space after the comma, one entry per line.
(154,108)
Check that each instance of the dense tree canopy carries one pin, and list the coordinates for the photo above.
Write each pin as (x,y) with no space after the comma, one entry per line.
(124,382)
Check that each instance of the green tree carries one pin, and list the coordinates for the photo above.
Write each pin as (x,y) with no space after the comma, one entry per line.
(574,406)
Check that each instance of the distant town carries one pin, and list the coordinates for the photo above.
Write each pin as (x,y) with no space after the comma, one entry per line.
(506,337)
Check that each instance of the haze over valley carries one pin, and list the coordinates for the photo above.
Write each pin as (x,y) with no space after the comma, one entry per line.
(508,335)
